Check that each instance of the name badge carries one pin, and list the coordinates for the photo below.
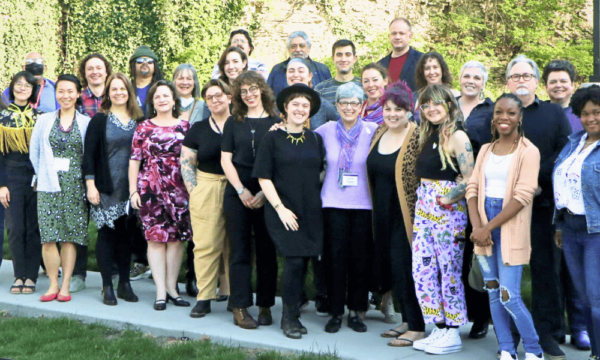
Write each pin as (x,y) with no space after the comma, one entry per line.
(61,164)
(350,180)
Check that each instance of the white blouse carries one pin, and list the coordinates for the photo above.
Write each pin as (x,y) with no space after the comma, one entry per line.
(567,179)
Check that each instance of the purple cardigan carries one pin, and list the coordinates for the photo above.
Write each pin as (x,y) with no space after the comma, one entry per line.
(351,197)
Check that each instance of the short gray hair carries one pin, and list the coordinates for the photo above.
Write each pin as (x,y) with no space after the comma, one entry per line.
(296,34)
(188,67)
(476,65)
(349,90)
(525,59)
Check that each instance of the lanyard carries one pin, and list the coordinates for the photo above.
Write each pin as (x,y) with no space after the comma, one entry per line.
(37,103)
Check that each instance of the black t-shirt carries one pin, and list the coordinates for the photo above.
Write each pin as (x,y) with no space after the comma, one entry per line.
(202,138)
(237,138)
(429,162)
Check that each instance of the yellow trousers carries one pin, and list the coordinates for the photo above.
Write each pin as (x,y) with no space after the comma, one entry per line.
(211,243)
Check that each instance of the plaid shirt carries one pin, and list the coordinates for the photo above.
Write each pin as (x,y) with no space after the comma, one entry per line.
(90,103)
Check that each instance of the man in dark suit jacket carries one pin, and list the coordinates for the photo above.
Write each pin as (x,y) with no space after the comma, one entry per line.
(402,61)
(298,45)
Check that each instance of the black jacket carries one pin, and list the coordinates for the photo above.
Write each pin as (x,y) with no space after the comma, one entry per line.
(408,70)
(95,158)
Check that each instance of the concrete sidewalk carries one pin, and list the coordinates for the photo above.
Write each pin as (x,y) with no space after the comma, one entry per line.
(347,344)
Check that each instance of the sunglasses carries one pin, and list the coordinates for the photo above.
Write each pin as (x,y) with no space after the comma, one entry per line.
(144,60)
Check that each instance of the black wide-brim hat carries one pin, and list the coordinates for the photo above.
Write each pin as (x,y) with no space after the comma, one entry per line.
(314,98)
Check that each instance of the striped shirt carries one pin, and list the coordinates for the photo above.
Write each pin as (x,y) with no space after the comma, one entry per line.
(328,88)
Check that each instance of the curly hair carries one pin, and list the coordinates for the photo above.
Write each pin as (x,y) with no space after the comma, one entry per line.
(420,70)
(515,98)
(240,109)
(559,65)
(436,93)
(133,109)
(83,62)
(223,58)
(150,99)
(400,94)
(581,97)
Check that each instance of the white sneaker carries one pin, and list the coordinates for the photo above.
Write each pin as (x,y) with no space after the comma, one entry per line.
(505,355)
(423,343)
(530,356)
(448,343)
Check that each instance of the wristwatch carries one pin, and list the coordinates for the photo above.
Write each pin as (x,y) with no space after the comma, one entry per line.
(240,190)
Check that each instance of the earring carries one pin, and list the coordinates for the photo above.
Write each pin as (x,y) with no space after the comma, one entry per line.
(481,95)
(173,107)
(492,127)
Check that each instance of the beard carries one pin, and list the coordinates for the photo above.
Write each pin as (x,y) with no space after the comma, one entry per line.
(345,71)
(522,91)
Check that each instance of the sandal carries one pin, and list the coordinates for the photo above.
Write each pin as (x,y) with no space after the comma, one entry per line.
(16,289)
(401,342)
(30,288)
(393,333)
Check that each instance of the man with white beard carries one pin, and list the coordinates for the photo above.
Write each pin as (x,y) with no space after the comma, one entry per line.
(547,127)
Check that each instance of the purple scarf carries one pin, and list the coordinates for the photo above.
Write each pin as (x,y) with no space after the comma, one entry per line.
(376,114)
(348,141)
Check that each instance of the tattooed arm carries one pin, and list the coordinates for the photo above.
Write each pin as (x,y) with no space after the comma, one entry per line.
(461,147)
(189,160)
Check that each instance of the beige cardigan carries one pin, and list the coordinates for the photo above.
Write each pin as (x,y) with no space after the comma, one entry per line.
(521,184)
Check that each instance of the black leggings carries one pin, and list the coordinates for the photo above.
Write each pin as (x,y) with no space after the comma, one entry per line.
(114,246)
(293,276)
(348,249)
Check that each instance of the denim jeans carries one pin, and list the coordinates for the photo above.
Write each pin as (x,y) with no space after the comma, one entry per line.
(582,252)
(509,280)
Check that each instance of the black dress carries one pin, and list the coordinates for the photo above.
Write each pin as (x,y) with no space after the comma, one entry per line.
(294,170)
(387,214)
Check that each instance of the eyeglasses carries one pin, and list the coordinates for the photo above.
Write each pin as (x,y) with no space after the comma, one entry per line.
(425,107)
(253,90)
(296,46)
(239,41)
(217,96)
(36,61)
(516,77)
(351,104)
(27,86)
(144,60)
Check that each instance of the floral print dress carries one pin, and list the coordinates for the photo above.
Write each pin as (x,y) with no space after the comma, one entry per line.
(164,210)
(63,216)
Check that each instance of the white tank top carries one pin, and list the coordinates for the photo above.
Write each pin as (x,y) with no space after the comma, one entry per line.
(496,173)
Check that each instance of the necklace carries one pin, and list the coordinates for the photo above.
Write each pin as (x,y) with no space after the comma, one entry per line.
(503,156)
(253,130)
(296,140)
(217,126)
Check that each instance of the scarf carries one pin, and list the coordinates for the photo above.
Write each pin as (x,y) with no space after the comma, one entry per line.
(348,141)
(186,104)
(375,116)
(16,126)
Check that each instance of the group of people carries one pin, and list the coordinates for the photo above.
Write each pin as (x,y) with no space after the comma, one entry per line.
(391,182)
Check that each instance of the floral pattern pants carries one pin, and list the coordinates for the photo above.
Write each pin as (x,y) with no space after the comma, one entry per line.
(437,255)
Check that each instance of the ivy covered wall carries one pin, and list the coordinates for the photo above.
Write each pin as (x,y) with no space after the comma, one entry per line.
(64,31)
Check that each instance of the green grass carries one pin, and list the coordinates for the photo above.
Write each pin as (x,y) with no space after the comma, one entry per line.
(66,339)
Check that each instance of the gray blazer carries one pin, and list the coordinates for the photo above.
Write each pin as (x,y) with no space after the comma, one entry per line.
(40,150)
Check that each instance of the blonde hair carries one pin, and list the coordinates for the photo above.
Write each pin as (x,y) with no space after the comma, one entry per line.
(437,93)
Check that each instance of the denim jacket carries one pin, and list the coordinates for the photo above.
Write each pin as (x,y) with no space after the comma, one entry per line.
(590,178)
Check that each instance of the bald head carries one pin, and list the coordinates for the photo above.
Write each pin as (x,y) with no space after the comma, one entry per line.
(34,63)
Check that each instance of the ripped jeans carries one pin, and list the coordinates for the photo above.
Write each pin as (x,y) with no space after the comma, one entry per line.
(503,283)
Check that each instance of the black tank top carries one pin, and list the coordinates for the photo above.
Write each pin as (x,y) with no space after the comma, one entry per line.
(429,163)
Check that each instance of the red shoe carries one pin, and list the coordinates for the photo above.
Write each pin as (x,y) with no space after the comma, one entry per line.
(63,298)
(49,297)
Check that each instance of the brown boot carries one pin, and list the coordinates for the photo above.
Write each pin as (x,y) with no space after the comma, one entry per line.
(264,316)
(242,319)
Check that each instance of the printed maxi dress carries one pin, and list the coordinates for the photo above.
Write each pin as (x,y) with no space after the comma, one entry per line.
(63,215)
(164,210)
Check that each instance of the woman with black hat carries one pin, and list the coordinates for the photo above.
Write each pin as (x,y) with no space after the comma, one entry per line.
(288,166)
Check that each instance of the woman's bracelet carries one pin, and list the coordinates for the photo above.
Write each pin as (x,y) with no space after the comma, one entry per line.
(130,196)
(277,206)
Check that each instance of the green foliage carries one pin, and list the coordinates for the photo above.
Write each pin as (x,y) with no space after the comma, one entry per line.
(65,31)
(28,25)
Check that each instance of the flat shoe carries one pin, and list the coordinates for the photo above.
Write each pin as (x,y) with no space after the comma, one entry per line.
(49,297)
(401,342)
(63,298)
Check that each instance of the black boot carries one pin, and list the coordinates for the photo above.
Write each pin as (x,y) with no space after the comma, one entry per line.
(202,308)
(108,296)
(191,288)
(303,330)
(124,291)
(290,323)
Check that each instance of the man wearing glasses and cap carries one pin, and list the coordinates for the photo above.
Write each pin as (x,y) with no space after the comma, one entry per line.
(144,72)
(46,98)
